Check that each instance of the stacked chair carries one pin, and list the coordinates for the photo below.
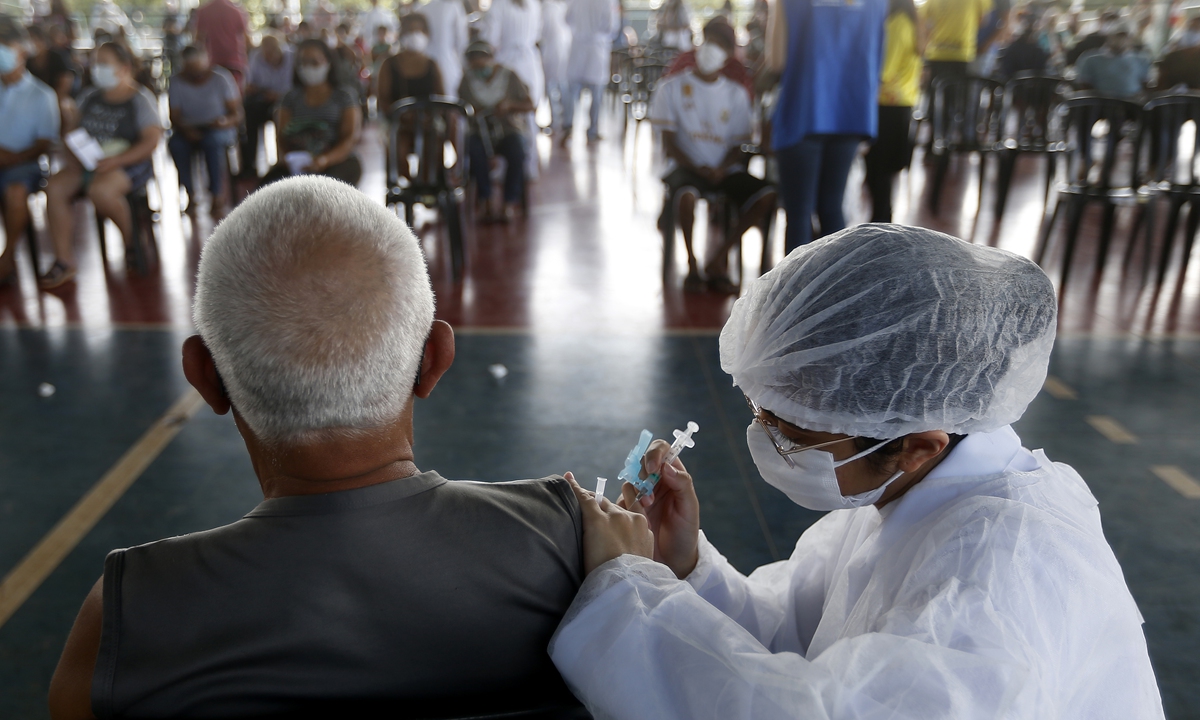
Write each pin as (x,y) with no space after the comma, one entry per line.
(1170,175)
(966,115)
(1029,124)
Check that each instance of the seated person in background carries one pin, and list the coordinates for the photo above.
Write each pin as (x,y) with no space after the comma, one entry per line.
(267,81)
(318,123)
(1024,53)
(51,65)
(28,128)
(1117,69)
(720,33)
(122,116)
(348,63)
(409,73)
(206,110)
(381,50)
(705,119)
(501,101)
(1109,21)
(359,577)
(1181,66)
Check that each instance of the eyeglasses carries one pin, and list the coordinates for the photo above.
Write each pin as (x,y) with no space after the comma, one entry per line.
(784,445)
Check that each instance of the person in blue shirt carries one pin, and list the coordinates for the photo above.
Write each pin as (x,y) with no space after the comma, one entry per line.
(829,53)
(1117,69)
(29,128)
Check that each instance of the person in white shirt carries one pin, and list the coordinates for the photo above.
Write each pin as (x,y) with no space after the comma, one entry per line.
(556,48)
(956,576)
(705,119)
(379,17)
(448,40)
(513,28)
(593,25)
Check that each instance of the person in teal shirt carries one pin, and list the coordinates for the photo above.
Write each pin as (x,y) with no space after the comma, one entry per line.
(1115,69)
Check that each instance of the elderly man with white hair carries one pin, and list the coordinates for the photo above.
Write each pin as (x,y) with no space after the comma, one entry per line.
(359,579)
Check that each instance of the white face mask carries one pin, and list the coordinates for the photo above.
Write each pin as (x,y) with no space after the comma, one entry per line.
(812,483)
(710,58)
(416,42)
(105,77)
(314,74)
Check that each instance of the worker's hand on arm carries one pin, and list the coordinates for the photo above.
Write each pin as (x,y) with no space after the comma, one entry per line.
(609,531)
(672,509)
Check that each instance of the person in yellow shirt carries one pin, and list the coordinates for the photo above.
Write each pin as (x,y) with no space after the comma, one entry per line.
(899,87)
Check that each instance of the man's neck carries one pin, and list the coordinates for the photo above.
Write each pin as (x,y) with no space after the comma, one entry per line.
(708,79)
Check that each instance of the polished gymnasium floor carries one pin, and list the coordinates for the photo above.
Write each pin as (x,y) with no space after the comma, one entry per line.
(594,347)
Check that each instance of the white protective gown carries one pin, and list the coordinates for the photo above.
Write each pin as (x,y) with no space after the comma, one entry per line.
(555,41)
(593,24)
(986,591)
(447,40)
(513,30)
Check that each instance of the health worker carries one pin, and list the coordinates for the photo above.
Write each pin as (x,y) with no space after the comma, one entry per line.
(957,574)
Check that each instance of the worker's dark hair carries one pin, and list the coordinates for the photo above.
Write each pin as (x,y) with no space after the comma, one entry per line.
(881,460)
(120,52)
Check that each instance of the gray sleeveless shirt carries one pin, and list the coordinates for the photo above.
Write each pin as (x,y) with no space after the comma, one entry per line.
(419,592)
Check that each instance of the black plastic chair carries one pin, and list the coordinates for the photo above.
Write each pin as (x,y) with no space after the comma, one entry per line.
(433,122)
(142,246)
(966,119)
(1029,124)
(1092,180)
(1169,176)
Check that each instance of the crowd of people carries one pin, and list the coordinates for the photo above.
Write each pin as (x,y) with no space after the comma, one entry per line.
(801,79)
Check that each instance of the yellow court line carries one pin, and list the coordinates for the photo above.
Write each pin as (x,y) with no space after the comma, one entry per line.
(1059,389)
(1174,476)
(1111,429)
(29,574)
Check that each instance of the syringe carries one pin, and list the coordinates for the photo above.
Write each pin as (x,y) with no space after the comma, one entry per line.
(633,463)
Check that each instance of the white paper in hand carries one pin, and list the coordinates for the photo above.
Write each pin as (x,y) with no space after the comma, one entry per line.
(85,147)
(298,161)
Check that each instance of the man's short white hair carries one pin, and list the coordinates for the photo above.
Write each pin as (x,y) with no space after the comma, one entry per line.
(315,303)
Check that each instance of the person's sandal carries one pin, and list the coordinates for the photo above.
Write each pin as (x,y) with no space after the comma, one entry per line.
(58,275)
(693,283)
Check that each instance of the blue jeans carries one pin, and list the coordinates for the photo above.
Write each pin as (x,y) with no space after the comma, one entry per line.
(512,148)
(812,176)
(572,98)
(213,145)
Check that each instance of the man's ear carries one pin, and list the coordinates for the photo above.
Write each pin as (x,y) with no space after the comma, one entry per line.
(201,373)
(439,355)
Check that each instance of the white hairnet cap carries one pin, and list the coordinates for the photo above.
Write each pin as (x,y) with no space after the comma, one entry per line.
(884,330)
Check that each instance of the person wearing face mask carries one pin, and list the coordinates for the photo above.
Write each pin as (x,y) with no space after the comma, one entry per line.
(501,102)
(267,81)
(317,120)
(1117,69)
(206,110)
(705,118)
(718,34)
(410,73)
(28,130)
(957,575)
(122,116)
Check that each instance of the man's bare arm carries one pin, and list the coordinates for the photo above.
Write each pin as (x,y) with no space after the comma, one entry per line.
(71,686)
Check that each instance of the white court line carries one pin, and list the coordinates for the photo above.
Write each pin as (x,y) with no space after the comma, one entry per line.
(1059,389)
(28,575)
(1183,483)
(1111,429)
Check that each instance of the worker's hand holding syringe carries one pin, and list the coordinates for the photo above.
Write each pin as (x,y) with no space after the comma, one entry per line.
(672,509)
